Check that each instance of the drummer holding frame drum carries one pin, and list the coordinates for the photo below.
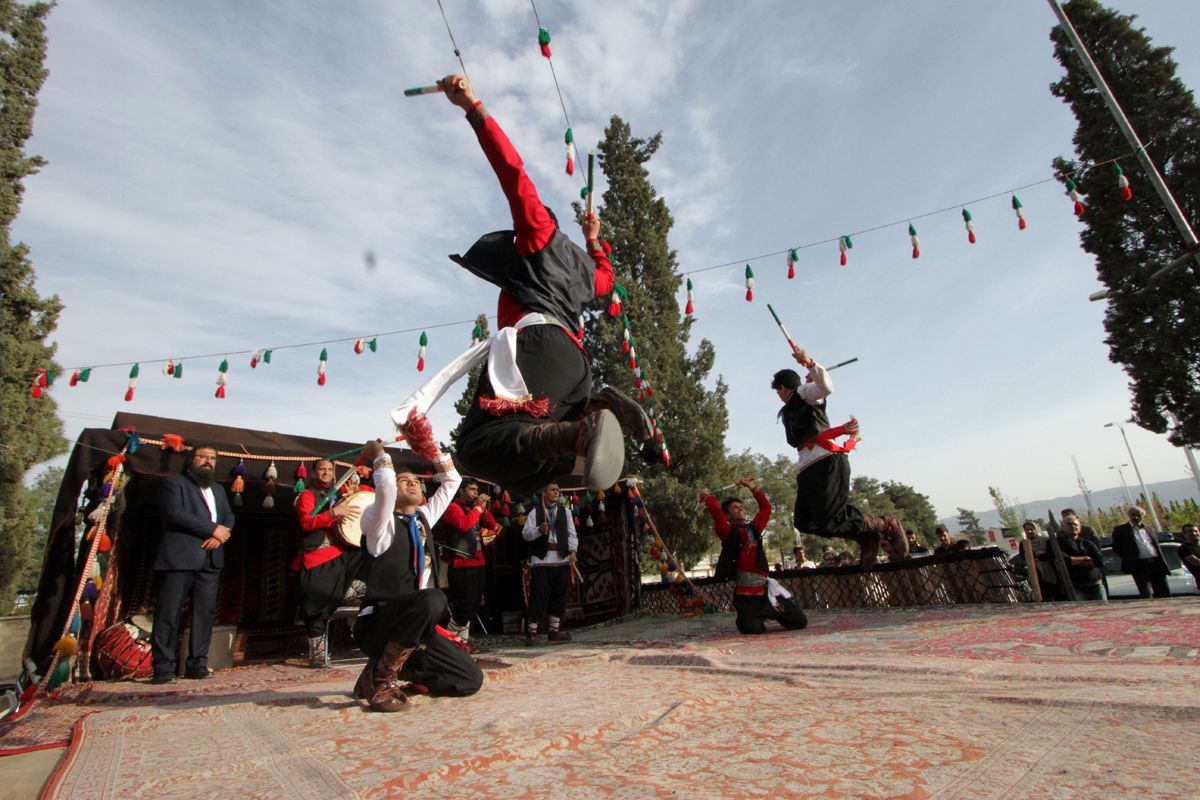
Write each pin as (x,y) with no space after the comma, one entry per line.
(329,560)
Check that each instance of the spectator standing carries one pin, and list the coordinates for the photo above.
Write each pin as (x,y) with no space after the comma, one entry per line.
(1189,551)
(1085,564)
(1137,546)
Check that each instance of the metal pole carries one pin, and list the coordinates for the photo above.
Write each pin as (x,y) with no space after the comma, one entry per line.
(1124,486)
(1138,472)
(1164,194)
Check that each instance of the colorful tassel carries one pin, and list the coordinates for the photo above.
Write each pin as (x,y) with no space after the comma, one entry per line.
(179,370)
(619,294)
(571,152)
(272,473)
(424,342)
(80,376)
(916,243)
(1122,183)
(690,308)
(792,260)
(1073,193)
(1020,210)
(168,369)
(321,368)
(633,364)
(172,441)
(844,244)
(301,474)
(254,359)
(35,391)
(222,379)
(133,379)
(544,41)
(358,347)
(373,345)
(476,334)
(970,223)
(749,284)
(625,338)
(266,359)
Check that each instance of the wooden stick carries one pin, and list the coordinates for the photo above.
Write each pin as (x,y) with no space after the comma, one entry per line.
(420,90)
(591,182)
(784,330)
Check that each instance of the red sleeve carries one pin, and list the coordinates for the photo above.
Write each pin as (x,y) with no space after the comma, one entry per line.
(604,273)
(488,520)
(462,520)
(304,505)
(531,221)
(764,510)
(719,521)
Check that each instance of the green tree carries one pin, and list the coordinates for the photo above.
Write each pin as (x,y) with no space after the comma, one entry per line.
(968,526)
(43,495)
(1153,328)
(879,498)
(691,415)
(1011,519)
(30,431)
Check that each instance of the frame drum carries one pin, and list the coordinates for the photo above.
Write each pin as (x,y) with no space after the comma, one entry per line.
(348,531)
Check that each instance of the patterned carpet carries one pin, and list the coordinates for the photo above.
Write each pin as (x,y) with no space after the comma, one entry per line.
(1035,701)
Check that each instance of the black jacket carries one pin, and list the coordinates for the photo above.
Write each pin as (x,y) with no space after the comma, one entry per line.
(187,522)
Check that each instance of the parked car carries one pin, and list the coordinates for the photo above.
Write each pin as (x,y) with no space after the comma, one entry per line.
(1121,584)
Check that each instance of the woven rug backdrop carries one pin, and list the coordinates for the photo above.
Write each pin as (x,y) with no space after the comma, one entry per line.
(1028,701)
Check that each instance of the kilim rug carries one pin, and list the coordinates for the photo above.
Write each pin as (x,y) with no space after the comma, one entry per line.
(1034,701)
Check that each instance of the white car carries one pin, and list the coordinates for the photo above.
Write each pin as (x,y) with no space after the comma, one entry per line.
(1120,584)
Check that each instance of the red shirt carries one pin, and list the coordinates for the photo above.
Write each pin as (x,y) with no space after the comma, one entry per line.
(748,555)
(455,516)
(532,223)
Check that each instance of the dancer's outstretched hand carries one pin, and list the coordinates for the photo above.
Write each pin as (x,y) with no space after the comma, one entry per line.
(458,91)
(852,428)
(591,227)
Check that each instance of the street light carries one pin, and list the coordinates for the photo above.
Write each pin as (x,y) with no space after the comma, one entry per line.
(1125,486)
(1149,501)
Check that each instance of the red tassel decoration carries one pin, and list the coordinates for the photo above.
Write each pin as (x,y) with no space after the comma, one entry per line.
(970,224)
(133,379)
(749,284)
(1073,193)
(844,244)
(916,243)
(1016,204)
(690,308)
(1122,183)
(544,41)
(128,394)
(36,391)
(792,258)
(424,342)
(321,366)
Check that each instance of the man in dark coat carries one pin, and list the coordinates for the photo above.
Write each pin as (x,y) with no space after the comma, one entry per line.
(196,523)
(1137,546)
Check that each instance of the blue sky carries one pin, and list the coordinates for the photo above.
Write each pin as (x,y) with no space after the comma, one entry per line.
(217,172)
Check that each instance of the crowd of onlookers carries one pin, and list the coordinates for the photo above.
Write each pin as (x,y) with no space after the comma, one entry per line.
(1071,558)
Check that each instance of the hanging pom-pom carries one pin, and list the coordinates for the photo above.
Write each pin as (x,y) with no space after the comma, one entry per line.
(239,485)
(254,359)
(569,138)
(269,499)
(632,357)
(844,244)
(132,440)
(1020,210)
(477,334)
(544,41)
(358,347)
(301,474)
(1122,183)
(619,295)
(75,378)
(179,370)
(65,647)
(266,359)
(222,379)
(168,369)
(36,390)
(423,342)
(133,379)
(690,308)
(792,259)
(970,224)
(373,345)
(321,367)
(916,243)
(749,284)
(240,469)
(272,473)
(1073,193)
(172,441)
(105,544)
(626,341)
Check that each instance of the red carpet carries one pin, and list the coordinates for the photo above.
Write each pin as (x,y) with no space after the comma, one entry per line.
(1064,701)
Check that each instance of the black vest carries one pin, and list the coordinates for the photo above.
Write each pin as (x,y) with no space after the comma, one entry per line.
(558,280)
(393,573)
(731,548)
(456,543)
(540,546)
(803,420)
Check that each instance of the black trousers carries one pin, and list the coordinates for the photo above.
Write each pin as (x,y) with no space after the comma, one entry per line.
(548,592)
(438,664)
(1151,574)
(822,500)
(175,586)
(554,367)
(464,590)
(754,610)
(323,587)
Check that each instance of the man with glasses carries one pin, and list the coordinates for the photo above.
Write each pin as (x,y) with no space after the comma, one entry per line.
(1137,546)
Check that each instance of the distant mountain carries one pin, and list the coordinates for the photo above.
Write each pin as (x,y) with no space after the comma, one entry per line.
(1167,491)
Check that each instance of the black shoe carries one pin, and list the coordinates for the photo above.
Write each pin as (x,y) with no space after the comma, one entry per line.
(198,674)
(632,416)
(163,677)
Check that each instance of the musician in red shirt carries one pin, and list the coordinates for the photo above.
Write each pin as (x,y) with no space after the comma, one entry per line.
(530,428)
(459,533)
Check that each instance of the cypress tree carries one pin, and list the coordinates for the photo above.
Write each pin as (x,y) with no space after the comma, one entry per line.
(30,431)
(1153,329)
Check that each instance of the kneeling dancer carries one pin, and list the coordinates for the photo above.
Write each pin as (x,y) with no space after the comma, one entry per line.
(756,597)
(823,468)
(397,626)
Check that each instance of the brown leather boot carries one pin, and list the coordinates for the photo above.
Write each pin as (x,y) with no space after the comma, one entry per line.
(868,541)
(377,683)
(630,414)
(316,652)
(893,534)
(596,437)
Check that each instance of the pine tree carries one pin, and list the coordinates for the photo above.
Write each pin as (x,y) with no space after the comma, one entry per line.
(1153,328)
(692,417)
(30,431)
(464,403)
(968,525)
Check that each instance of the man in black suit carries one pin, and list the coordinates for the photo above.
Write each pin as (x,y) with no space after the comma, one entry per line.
(196,522)
(1141,557)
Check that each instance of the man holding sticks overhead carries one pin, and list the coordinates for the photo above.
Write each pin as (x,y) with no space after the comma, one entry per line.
(534,412)
(823,468)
